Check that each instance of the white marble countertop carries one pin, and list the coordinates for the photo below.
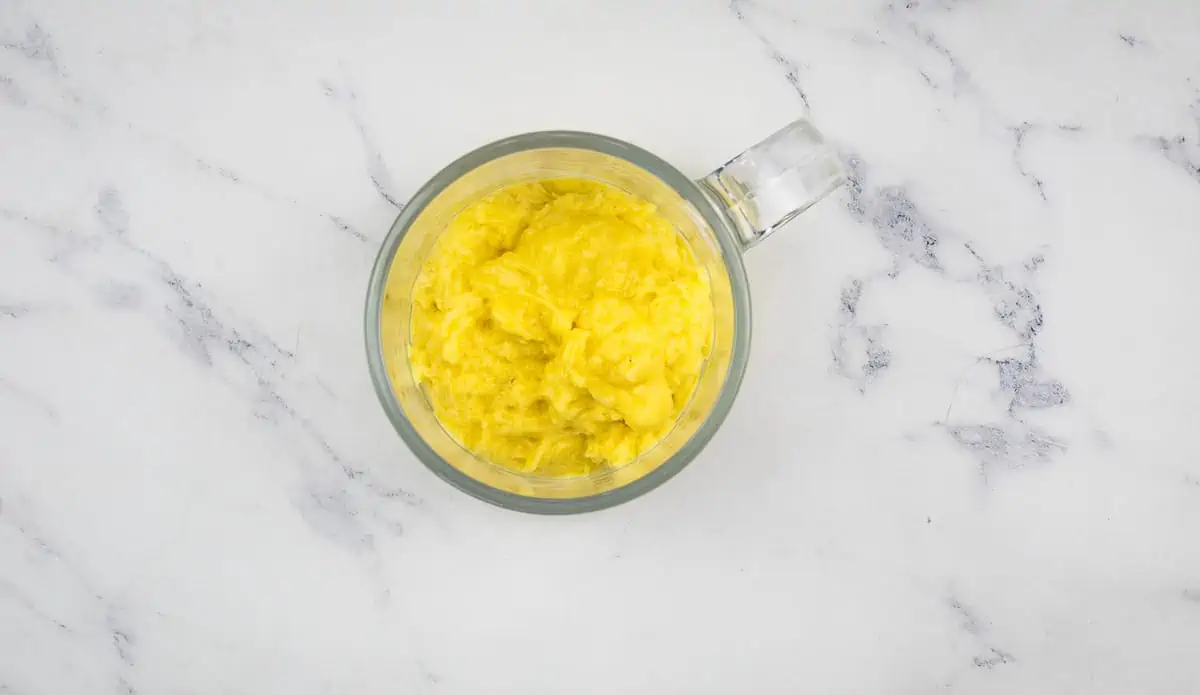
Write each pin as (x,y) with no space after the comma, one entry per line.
(963,459)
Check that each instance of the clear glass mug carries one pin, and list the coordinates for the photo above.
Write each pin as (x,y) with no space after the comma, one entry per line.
(720,215)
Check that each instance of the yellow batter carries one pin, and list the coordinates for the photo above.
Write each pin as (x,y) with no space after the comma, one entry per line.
(559,327)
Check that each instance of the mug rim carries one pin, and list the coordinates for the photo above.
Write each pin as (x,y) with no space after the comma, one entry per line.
(689,190)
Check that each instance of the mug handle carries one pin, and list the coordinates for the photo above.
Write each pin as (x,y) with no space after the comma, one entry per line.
(763,188)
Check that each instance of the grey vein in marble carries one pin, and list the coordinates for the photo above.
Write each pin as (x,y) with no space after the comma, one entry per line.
(1021,376)
(960,79)
(994,658)
(342,93)
(1019,133)
(1014,304)
(791,72)
(908,22)
(989,656)
(1013,446)
(1183,152)
(36,45)
(897,224)
(858,350)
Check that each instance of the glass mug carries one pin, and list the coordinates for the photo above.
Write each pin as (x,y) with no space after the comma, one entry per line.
(721,216)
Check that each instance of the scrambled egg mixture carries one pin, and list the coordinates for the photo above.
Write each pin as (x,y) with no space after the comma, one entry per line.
(559,327)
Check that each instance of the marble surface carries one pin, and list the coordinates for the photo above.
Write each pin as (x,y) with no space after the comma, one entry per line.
(963,459)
